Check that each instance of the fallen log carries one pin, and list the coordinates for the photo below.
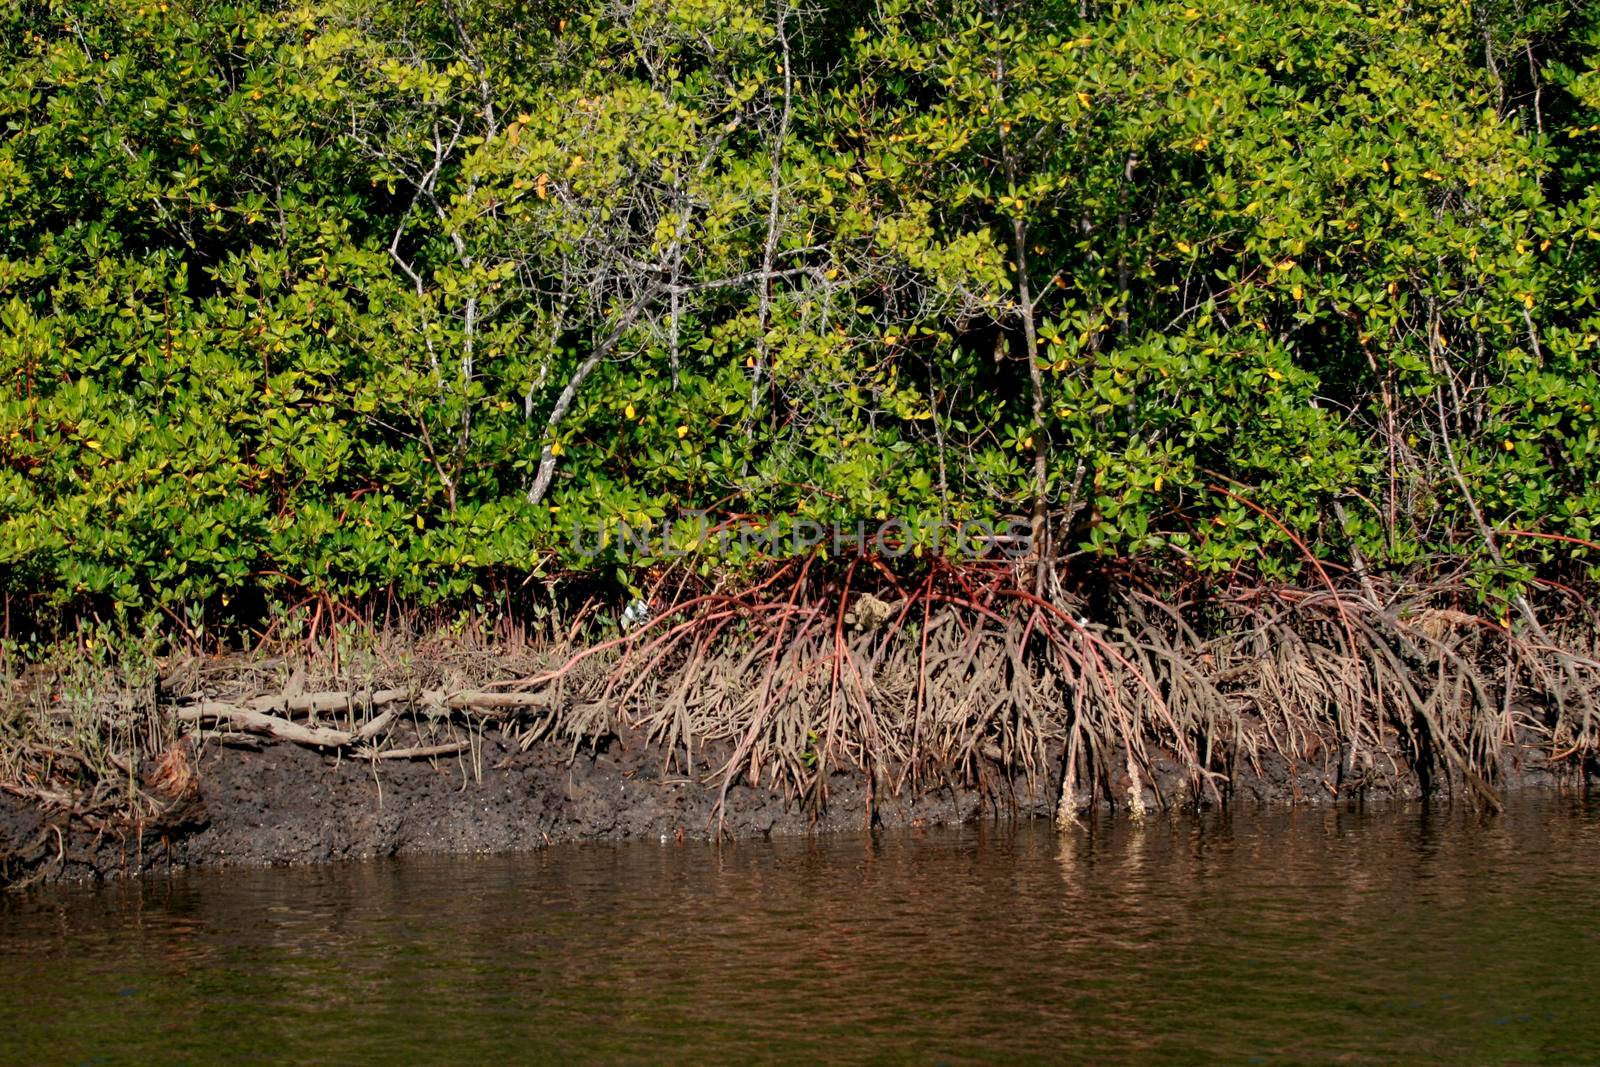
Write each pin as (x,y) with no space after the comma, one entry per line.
(379,723)
(251,721)
(333,700)
(267,715)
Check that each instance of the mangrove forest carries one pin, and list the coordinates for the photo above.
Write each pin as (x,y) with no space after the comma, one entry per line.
(1134,404)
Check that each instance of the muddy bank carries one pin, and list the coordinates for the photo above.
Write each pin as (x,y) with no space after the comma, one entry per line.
(279,803)
(282,803)
(403,738)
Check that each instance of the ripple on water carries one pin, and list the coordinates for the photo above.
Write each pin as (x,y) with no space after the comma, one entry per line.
(1307,936)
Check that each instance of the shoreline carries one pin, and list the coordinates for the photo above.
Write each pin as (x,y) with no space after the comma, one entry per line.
(277,803)
(116,759)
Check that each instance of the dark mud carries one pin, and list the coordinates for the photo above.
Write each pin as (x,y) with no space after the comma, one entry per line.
(283,804)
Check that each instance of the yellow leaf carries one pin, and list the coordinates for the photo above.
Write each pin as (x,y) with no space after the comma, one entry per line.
(683,431)
(1508,446)
(1299,292)
(1159,482)
(92,444)
(628,411)
(555,448)
(1275,374)
(541,186)
(890,338)
(1184,247)
(1083,98)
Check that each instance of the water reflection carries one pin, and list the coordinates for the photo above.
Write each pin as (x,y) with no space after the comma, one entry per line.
(1301,936)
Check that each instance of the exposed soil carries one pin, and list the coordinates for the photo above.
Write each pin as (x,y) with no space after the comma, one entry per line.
(282,804)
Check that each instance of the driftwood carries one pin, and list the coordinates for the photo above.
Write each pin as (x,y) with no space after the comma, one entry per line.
(267,716)
(476,700)
(418,752)
(249,721)
(380,722)
(338,700)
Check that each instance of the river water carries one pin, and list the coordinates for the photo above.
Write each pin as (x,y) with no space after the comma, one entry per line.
(1310,936)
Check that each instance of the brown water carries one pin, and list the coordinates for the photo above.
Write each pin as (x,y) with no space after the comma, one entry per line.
(1302,937)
